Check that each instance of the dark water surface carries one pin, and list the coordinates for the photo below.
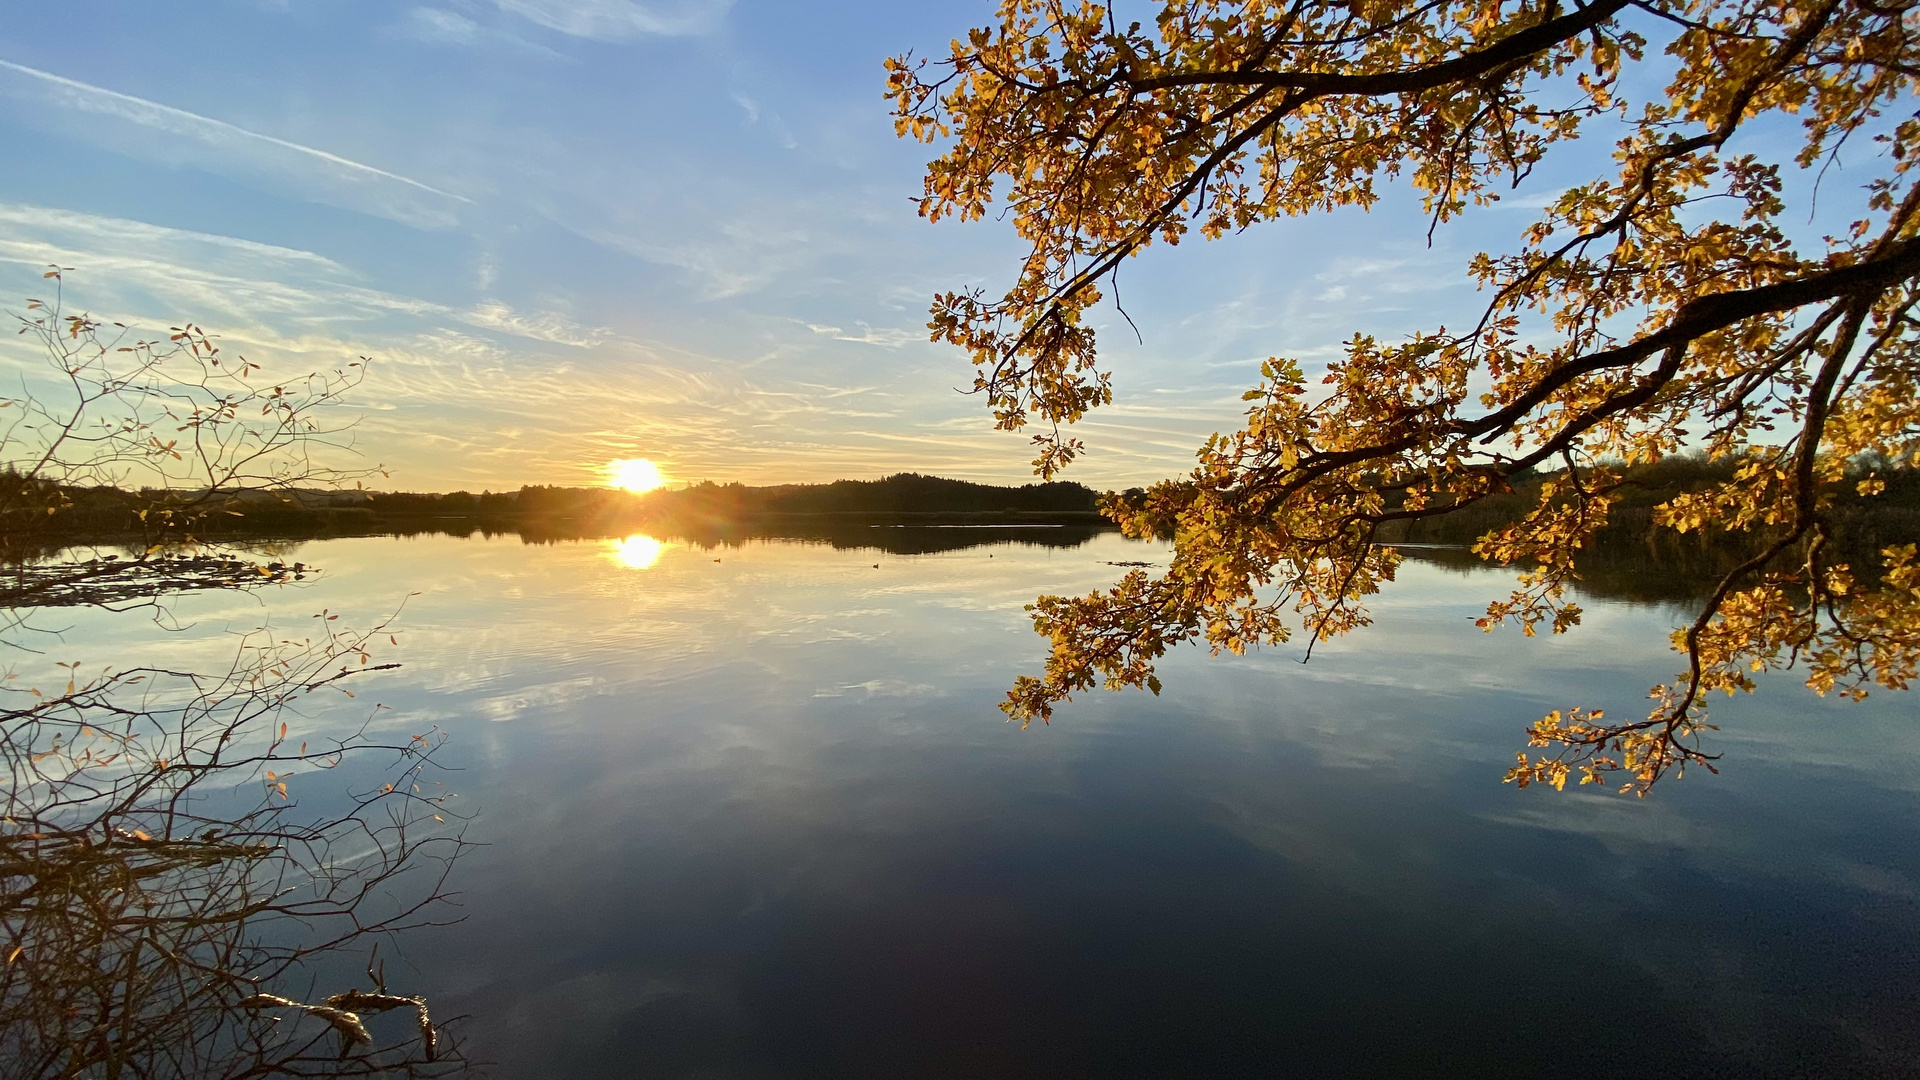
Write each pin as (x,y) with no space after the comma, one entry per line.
(759,817)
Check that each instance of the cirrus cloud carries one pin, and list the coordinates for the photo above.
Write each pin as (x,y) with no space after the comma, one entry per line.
(620,20)
(149,129)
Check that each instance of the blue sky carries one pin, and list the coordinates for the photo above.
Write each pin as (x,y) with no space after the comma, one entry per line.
(568,231)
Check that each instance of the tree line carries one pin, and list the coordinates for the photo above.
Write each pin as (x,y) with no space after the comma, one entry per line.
(108,512)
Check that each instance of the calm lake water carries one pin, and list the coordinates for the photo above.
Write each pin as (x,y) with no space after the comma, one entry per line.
(751,812)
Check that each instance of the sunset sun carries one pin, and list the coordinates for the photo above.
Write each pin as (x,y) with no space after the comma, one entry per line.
(634,474)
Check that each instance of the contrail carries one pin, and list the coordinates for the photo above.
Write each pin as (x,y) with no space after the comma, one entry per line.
(135,106)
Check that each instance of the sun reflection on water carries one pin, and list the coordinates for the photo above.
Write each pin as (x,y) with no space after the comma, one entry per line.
(636,552)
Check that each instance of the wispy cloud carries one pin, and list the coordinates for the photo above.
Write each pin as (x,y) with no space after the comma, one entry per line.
(490,394)
(539,326)
(621,20)
(147,128)
(729,246)
(437,26)
(883,336)
(150,272)
(757,112)
(727,261)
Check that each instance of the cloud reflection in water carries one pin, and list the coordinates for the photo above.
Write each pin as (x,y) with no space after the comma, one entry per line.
(760,817)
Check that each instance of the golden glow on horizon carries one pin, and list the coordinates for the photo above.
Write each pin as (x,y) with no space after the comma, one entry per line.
(634,474)
(636,552)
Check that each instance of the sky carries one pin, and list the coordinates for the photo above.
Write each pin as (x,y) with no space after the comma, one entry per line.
(572,231)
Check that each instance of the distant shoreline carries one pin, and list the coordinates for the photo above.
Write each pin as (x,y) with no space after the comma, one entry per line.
(896,533)
(843,512)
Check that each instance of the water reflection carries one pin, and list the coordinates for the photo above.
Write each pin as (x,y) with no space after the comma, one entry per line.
(893,538)
(761,819)
(636,552)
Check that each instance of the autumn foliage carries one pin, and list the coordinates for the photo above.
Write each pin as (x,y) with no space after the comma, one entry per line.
(1669,303)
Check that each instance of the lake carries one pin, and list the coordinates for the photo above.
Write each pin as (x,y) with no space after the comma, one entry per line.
(750,811)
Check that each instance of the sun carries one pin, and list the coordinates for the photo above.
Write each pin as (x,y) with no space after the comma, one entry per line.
(634,474)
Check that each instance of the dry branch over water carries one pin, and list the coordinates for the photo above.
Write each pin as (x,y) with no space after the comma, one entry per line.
(185,852)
